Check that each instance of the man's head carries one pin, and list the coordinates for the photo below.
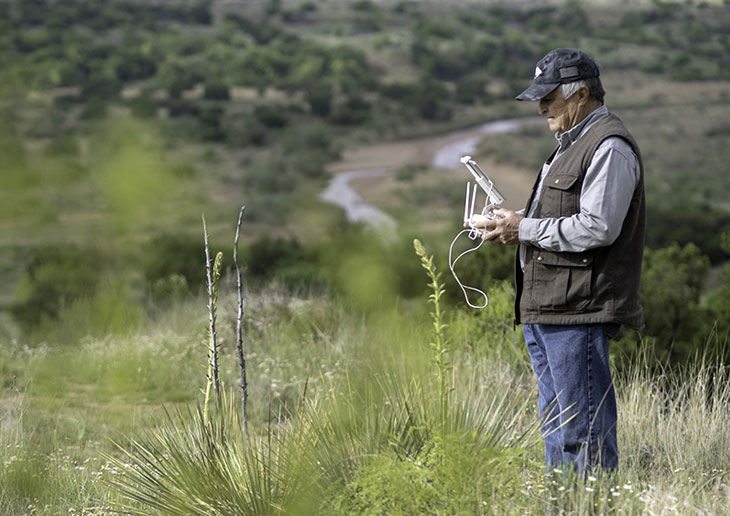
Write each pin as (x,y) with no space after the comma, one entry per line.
(568,87)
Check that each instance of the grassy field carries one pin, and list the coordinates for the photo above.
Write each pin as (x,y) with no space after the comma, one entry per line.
(356,405)
(343,409)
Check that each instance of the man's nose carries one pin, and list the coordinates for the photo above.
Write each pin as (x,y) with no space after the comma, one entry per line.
(542,107)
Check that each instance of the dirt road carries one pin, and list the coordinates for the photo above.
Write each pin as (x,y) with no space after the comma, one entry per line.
(374,162)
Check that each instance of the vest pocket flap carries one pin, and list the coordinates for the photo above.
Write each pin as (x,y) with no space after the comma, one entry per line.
(564,259)
(561,181)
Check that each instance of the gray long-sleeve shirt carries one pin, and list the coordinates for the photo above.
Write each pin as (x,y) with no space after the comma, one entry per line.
(605,196)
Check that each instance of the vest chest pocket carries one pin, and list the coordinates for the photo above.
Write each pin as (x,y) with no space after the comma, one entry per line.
(560,195)
(562,282)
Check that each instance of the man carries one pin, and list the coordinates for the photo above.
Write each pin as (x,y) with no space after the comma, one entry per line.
(581,240)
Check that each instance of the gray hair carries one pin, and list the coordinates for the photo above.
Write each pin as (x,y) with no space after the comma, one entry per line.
(595,88)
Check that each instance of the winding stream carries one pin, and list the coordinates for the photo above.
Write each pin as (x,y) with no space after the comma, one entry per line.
(446,155)
(340,193)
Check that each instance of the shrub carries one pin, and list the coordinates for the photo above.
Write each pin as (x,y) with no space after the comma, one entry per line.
(132,65)
(182,107)
(270,176)
(99,86)
(671,284)
(718,300)
(307,150)
(399,91)
(211,124)
(243,130)
(171,259)
(271,115)
(268,256)
(463,483)
(216,90)
(699,223)
(353,111)
(55,277)
(482,269)
(143,107)
(69,292)
(315,135)
(319,97)
(432,101)
(113,308)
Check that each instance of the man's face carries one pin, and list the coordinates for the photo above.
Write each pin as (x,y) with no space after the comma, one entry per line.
(561,114)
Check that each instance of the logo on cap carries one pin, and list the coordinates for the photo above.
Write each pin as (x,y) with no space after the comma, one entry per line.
(538,72)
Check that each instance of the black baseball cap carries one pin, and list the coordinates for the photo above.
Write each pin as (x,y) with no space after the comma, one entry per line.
(559,66)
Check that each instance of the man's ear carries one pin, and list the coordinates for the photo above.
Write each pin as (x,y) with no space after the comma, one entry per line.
(583,95)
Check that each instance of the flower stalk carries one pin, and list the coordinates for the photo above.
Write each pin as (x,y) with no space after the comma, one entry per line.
(439,345)
(212,277)
(239,326)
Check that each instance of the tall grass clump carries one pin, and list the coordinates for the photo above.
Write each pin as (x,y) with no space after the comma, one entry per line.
(381,428)
(675,438)
(198,464)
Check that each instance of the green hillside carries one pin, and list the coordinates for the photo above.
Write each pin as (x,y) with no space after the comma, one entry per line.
(123,123)
(231,91)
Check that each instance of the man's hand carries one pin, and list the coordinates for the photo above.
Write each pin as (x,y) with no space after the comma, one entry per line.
(504,229)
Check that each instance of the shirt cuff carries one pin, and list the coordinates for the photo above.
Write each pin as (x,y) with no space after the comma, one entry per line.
(527,232)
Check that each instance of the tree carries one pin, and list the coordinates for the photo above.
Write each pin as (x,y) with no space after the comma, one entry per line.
(271,115)
(216,90)
(211,124)
(200,13)
(698,223)
(100,86)
(350,70)
(319,97)
(672,282)
(133,65)
(176,75)
(256,69)
(56,276)
(432,101)
(354,110)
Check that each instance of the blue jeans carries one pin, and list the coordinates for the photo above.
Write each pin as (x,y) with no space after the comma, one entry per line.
(576,397)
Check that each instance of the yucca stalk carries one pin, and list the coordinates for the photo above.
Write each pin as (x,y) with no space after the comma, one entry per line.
(212,277)
(239,326)
(439,345)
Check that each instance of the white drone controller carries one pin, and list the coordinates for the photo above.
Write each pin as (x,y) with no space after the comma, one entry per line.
(493,199)
(475,221)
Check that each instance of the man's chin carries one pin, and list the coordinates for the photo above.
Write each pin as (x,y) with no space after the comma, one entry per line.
(555,126)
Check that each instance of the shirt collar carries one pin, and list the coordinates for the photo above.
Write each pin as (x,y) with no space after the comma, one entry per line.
(567,138)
